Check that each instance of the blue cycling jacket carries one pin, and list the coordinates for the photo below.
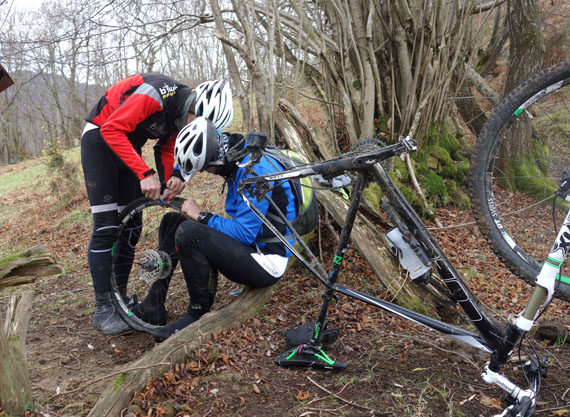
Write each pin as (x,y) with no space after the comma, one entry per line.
(244,225)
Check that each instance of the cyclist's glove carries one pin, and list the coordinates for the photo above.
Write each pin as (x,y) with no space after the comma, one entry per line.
(339,181)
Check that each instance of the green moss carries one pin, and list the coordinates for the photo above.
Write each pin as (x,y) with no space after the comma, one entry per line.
(448,171)
(452,144)
(5,260)
(527,177)
(463,170)
(439,153)
(451,186)
(410,195)
(434,188)
(119,381)
(418,305)
(441,166)
(461,200)
(399,170)
(373,194)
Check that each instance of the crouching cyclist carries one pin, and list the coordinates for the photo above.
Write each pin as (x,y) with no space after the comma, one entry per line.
(240,246)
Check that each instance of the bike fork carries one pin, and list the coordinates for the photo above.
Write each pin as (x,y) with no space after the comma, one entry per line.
(550,272)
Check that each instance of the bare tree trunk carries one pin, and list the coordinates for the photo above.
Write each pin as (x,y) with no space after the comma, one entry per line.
(526,52)
(499,37)
(233,68)
(526,55)
(257,66)
(469,109)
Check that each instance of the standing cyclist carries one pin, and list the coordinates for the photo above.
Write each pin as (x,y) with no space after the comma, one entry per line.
(241,246)
(137,108)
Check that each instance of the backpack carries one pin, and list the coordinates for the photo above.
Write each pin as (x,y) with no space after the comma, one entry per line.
(306,205)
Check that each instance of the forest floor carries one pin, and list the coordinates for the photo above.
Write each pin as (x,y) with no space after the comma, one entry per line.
(396,368)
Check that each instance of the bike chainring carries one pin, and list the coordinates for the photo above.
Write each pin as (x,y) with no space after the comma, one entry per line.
(369,145)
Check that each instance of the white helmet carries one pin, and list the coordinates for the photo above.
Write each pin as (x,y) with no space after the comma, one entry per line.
(214,101)
(196,146)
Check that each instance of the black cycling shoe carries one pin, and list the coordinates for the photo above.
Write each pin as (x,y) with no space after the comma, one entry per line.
(151,312)
(106,318)
(165,332)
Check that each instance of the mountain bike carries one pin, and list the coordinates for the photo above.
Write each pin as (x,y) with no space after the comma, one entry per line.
(412,243)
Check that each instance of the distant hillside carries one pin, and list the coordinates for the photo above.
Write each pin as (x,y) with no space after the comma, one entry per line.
(41,108)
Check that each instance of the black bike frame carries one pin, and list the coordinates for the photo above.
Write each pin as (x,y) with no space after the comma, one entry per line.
(497,338)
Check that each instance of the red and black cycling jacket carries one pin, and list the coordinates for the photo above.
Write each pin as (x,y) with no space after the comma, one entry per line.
(138,108)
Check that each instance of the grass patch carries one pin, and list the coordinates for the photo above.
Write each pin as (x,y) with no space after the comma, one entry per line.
(31,174)
(17,180)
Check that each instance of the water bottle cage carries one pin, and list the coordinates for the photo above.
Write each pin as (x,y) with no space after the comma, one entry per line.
(408,255)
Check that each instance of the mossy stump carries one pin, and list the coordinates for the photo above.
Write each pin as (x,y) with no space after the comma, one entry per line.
(17,269)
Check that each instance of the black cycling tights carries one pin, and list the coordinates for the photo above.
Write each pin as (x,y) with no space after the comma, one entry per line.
(201,249)
(110,186)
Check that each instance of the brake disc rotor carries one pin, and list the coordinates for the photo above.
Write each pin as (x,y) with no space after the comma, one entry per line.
(154,265)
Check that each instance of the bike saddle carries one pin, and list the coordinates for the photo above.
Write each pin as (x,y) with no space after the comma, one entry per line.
(308,356)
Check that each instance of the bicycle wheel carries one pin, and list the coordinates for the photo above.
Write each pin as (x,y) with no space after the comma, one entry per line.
(516,167)
(145,265)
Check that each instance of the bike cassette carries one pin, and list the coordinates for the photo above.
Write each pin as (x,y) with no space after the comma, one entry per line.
(154,265)
(307,355)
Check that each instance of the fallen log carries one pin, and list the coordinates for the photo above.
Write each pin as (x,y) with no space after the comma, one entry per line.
(115,398)
(372,245)
(25,267)
(17,269)
(15,384)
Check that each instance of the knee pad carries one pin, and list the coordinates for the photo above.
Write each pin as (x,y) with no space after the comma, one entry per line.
(105,227)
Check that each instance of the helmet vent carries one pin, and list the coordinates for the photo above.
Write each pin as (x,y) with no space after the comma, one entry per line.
(197,148)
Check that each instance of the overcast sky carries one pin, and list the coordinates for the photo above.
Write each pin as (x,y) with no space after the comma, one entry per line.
(25,4)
